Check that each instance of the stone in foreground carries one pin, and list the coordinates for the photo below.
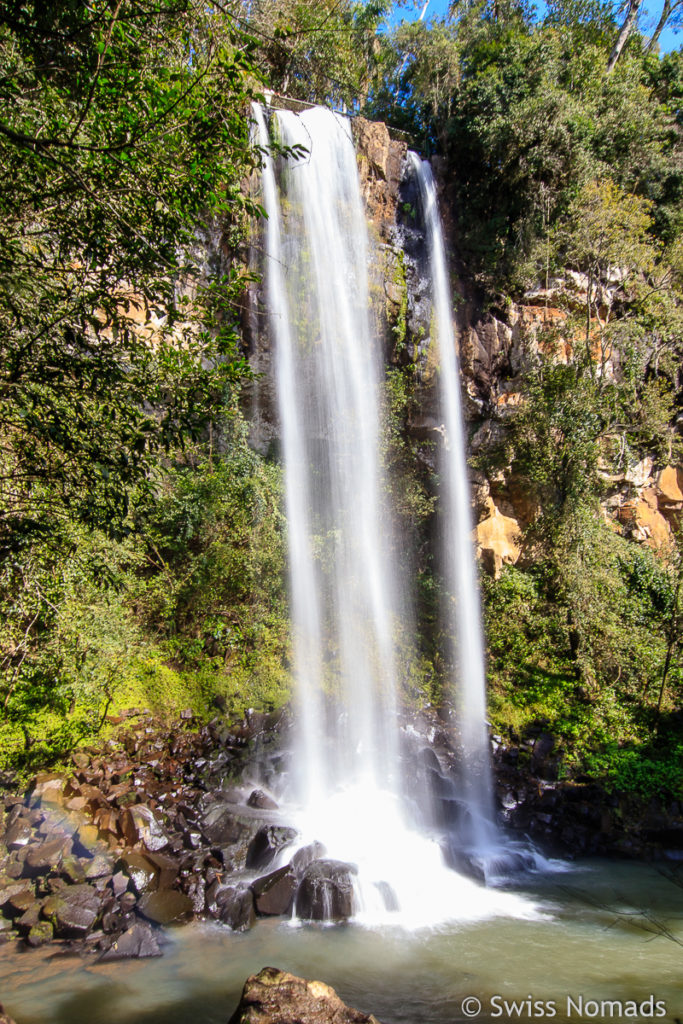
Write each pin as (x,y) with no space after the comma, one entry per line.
(276,997)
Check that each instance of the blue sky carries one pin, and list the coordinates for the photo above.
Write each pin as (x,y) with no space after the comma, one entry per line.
(668,40)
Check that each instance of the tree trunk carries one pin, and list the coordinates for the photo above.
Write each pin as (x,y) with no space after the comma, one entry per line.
(626,29)
(667,10)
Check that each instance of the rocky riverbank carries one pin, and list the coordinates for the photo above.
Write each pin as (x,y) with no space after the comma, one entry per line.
(162,825)
(157,828)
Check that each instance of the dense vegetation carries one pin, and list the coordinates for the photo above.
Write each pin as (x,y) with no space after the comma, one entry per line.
(141,538)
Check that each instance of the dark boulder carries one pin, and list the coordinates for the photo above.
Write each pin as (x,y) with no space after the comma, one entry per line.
(166,906)
(235,907)
(274,893)
(137,942)
(268,842)
(276,997)
(262,801)
(306,855)
(221,828)
(144,875)
(325,892)
(73,911)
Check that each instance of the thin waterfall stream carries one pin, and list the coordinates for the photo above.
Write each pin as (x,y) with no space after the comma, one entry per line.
(346,593)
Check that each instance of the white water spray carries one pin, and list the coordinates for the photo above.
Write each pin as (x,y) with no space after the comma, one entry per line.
(344,594)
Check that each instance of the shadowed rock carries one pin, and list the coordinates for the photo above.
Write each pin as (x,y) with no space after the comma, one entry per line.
(326,891)
(236,908)
(277,997)
(166,906)
(262,801)
(267,842)
(138,941)
(274,893)
(73,911)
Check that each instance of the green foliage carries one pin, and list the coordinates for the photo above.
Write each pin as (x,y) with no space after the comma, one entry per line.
(121,127)
(318,52)
(188,607)
(526,114)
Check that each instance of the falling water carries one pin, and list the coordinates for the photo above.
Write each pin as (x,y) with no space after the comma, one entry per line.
(344,594)
(464,606)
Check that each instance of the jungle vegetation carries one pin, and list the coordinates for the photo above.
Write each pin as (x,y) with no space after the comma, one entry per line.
(142,545)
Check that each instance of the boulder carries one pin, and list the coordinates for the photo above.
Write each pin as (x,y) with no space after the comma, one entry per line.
(139,824)
(274,893)
(40,934)
(45,857)
(137,942)
(144,875)
(277,997)
(18,834)
(306,855)
(236,908)
(47,788)
(221,827)
(5,1017)
(267,842)
(670,486)
(166,906)
(325,892)
(262,801)
(73,911)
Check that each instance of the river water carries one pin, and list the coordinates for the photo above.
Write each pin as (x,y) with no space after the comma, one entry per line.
(599,931)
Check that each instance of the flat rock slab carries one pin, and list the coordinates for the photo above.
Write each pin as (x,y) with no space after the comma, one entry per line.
(276,997)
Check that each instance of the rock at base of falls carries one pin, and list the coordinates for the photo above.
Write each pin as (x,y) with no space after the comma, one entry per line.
(274,893)
(326,891)
(276,997)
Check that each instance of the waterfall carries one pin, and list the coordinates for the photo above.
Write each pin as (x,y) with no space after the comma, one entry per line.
(345,599)
(457,555)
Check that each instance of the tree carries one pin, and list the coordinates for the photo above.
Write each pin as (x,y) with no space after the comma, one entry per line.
(672,12)
(123,130)
(318,52)
(632,7)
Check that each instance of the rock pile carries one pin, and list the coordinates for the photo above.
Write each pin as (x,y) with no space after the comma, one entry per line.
(156,828)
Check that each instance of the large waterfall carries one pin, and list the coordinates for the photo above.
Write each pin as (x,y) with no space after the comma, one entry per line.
(345,596)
